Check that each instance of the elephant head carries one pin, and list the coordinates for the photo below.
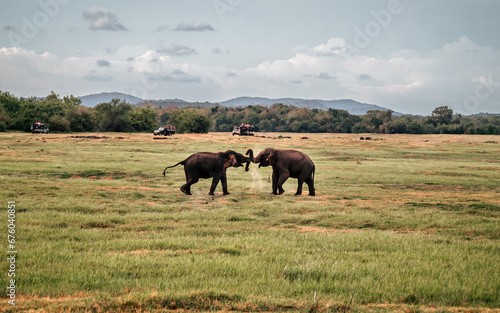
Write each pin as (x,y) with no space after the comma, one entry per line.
(240,159)
(230,161)
(270,159)
(263,157)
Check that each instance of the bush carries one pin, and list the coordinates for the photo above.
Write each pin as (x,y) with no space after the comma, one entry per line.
(190,121)
(489,129)
(415,128)
(225,128)
(144,119)
(3,126)
(59,123)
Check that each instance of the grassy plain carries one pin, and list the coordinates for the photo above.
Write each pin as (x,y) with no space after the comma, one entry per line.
(399,223)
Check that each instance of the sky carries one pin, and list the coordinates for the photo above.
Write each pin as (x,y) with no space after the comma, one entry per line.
(409,56)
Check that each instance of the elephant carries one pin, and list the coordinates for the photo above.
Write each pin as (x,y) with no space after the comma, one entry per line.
(287,163)
(209,164)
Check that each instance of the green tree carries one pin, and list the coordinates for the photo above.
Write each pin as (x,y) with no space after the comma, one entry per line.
(81,119)
(59,123)
(190,121)
(415,127)
(265,125)
(71,102)
(164,117)
(441,115)
(489,129)
(114,116)
(144,119)
(373,120)
(10,105)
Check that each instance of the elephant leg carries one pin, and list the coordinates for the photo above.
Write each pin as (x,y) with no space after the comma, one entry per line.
(215,181)
(223,181)
(282,179)
(310,184)
(186,188)
(275,182)
(299,187)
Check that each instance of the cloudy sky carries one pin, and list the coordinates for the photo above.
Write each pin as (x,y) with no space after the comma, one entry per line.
(409,56)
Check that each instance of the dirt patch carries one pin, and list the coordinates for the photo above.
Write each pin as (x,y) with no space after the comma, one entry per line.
(317,230)
(321,230)
(302,211)
(27,298)
(90,137)
(161,138)
(163,252)
(446,173)
(121,302)
(117,188)
(479,168)
(432,187)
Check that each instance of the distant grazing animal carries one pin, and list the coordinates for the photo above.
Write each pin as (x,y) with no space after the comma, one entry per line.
(287,163)
(209,164)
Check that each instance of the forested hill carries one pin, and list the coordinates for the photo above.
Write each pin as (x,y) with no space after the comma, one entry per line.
(94,99)
(351,106)
(68,115)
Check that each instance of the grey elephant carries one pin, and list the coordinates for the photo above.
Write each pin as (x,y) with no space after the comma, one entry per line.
(287,163)
(208,164)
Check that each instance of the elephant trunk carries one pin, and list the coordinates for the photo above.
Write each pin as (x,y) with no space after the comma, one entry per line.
(262,158)
(250,153)
(250,159)
(258,158)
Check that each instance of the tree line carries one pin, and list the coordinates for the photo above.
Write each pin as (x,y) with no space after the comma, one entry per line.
(68,115)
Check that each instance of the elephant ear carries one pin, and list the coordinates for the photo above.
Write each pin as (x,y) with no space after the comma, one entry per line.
(229,161)
(269,158)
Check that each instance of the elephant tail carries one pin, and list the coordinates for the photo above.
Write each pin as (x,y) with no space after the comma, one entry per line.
(181,163)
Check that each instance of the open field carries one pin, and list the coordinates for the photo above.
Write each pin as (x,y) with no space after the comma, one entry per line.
(400,223)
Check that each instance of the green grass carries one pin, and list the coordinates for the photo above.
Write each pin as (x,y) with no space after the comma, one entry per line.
(397,221)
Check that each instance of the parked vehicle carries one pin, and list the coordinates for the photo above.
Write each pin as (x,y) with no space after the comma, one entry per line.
(167,130)
(39,128)
(243,130)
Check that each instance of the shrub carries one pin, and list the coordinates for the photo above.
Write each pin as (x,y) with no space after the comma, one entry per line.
(59,123)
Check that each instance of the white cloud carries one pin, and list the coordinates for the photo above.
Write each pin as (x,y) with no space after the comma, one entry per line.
(220,51)
(103,63)
(180,77)
(407,81)
(162,28)
(97,76)
(458,74)
(324,75)
(194,26)
(174,49)
(102,19)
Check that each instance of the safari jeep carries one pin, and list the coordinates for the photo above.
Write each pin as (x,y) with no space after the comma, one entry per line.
(39,128)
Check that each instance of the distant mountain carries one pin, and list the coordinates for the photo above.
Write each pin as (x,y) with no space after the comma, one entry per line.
(177,103)
(351,106)
(95,99)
